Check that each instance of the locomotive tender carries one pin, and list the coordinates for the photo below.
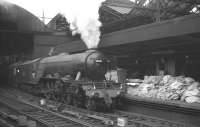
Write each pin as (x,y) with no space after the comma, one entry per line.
(76,79)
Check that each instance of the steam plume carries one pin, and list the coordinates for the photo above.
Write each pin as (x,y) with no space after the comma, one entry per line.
(81,14)
(84,21)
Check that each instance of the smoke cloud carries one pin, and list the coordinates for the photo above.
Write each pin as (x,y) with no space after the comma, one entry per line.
(82,15)
(84,20)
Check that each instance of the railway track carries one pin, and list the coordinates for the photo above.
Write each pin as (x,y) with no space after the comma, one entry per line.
(96,118)
(138,119)
(44,116)
(174,112)
(93,118)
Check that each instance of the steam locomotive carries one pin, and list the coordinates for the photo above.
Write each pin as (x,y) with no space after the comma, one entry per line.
(76,79)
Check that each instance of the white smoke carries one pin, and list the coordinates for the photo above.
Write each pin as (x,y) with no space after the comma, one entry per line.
(82,15)
(83,19)
(89,31)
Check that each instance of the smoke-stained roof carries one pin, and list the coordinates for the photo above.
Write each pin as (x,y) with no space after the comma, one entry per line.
(16,18)
(17,26)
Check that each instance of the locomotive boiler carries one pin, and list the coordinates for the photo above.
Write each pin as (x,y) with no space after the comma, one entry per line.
(76,79)
(91,64)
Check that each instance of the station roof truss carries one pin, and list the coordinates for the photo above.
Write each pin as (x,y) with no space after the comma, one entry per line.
(117,13)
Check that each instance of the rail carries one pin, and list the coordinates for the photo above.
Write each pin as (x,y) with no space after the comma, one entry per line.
(135,118)
(98,119)
(44,116)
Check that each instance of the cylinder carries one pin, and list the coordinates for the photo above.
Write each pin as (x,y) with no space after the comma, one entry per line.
(42,102)
(122,122)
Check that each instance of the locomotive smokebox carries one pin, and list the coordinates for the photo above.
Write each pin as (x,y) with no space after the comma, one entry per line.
(96,64)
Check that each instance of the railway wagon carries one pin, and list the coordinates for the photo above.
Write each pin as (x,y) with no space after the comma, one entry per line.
(76,79)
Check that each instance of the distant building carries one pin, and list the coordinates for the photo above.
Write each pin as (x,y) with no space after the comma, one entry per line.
(59,23)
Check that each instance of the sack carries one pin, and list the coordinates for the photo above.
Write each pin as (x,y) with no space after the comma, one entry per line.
(189,80)
(192,99)
(194,85)
(176,85)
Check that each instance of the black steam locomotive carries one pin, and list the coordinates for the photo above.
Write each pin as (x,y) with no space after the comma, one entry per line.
(76,79)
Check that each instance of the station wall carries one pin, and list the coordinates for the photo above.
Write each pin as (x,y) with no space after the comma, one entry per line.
(44,43)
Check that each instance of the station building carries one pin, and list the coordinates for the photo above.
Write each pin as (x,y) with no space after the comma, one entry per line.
(140,43)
